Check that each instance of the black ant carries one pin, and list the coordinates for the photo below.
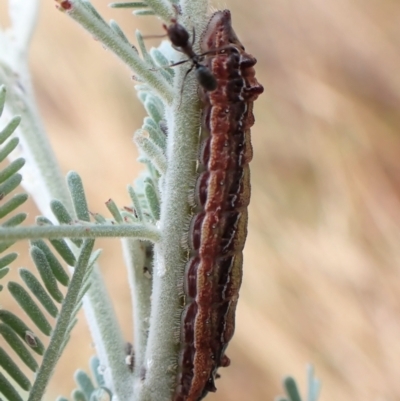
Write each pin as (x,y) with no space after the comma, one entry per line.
(179,38)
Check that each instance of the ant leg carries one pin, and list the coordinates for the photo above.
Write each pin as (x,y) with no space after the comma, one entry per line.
(194,37)
(215,51)
(183,81)
(187,73)
(170,65)
(178,63)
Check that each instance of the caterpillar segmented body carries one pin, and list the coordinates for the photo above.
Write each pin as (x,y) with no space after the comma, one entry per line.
(218,230)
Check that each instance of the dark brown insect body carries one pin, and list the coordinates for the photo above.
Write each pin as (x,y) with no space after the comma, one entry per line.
(179,37)
(218,230)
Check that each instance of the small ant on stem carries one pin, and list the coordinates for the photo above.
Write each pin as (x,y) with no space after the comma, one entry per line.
(179,38)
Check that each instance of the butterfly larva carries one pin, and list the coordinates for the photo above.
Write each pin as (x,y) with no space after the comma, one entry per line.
(218,230)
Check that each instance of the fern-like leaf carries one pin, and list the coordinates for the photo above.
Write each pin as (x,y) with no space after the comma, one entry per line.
(21,337)
(9,180)
(88,389)
(39,298)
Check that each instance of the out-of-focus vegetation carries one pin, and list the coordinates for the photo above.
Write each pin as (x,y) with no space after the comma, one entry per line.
(322,260)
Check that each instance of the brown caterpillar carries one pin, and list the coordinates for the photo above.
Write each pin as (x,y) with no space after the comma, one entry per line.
(218,229)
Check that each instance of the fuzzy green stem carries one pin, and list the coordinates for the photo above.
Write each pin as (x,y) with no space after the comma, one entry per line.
(138,258)
(108,338)
(138,231)
(182,148)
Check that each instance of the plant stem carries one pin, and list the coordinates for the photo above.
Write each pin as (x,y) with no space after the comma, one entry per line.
(169,256)
(138,231)
(138,258)
(107,337)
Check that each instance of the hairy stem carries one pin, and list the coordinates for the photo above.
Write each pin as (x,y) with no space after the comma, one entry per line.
(108,338)
(183,119)
(138,231)
(138,258)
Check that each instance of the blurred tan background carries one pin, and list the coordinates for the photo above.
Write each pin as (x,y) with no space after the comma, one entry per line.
(321,275)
